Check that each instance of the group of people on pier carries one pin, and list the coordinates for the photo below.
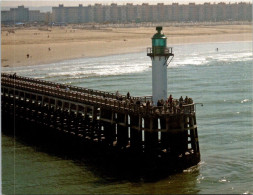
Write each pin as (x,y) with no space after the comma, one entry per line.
(13,76)
(170,105)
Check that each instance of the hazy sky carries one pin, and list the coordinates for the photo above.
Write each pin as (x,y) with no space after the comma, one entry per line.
(36,3)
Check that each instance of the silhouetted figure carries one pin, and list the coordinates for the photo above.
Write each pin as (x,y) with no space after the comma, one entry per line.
(148,103)
(117,95)
(186,100)
(170,99)
(181,101)
(14,75)
(128,95)
(28,55)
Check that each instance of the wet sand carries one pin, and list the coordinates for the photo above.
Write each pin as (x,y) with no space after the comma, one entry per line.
(61,43)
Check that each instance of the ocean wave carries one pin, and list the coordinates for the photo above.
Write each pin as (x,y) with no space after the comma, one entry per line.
(211,58)
(245,100)
(73,71)
(224,180)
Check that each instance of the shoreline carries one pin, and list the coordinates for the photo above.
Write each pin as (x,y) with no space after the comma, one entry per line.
(114,54)
(63,44)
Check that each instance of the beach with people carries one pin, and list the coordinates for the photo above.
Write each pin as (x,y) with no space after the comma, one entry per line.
(27,46)
(210,75)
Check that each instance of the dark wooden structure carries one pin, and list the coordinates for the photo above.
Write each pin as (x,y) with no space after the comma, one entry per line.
(132,125)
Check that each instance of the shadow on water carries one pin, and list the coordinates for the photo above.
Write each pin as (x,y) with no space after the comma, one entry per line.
(103,161)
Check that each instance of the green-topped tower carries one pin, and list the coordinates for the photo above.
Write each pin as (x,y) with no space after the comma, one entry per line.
(159,54)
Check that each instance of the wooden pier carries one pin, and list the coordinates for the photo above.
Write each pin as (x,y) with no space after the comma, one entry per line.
(118,123)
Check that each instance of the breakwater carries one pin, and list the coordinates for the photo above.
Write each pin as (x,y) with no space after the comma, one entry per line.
(129,126)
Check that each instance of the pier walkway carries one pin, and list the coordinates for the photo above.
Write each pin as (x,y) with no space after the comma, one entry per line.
(100,116)
(90,96)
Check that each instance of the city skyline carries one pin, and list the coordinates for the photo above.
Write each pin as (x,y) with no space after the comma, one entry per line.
(145,12)
(33,3)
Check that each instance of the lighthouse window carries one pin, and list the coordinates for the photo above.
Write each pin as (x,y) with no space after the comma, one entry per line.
(159,42)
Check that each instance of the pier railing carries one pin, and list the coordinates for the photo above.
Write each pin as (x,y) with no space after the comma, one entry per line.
(136,105)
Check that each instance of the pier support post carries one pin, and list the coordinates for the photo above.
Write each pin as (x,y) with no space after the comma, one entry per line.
(135,133)
(151,134)
(122,130)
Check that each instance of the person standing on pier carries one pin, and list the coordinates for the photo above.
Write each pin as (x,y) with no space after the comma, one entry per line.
(186,100)
(128,95)
(181,100)
(170,99)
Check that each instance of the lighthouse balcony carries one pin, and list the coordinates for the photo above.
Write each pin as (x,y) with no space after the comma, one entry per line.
(159,51)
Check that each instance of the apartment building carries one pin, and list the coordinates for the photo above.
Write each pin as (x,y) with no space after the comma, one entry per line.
(36,16)
(22,15)
(131,14)
(98,13)
(145,12)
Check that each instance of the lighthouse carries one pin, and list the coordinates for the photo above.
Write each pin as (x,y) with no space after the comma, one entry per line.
(160,55)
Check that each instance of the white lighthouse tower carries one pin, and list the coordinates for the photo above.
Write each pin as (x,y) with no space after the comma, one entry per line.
(160,55)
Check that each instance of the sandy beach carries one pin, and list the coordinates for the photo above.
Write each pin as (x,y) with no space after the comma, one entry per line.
(50,45)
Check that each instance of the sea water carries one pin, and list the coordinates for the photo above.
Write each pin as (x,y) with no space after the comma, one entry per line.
(220,79)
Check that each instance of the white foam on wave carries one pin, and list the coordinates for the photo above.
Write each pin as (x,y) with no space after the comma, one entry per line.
(88,69)
(208,58)
(239,56)
(245,100)
(222,180)
(206,54)
(190,60)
